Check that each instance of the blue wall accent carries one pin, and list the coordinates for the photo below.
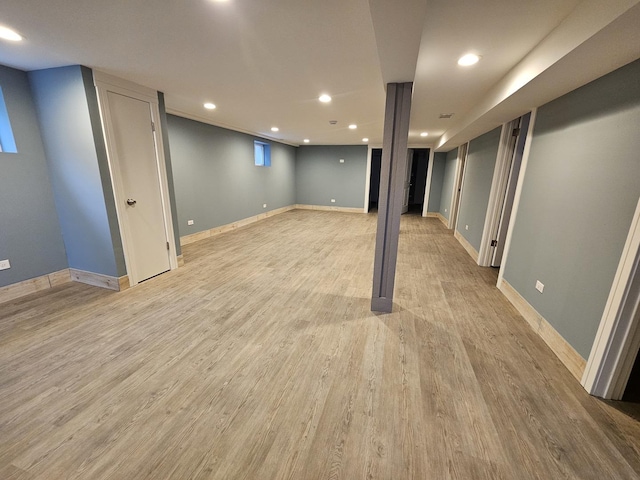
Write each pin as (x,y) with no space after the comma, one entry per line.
(579,195)
(70,146)
(320,176)
(7,142)
(215,178)
(448,182)
(437,179)
(478,175)
(30,236)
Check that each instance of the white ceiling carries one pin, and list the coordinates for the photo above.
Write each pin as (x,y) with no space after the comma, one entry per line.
(265,62)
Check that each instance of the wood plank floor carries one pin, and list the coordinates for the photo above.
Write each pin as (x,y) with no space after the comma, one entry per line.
(260,359)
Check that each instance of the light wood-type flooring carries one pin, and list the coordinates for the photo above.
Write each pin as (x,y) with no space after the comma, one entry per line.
(260,359)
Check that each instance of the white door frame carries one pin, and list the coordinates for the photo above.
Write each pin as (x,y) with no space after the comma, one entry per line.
(518,194)
(501,173)
(427,188)
(458,185)
(106,83)
(618,337)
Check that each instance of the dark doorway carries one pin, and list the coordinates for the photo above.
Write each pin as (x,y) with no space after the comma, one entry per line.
(374,185)
(632,391)
(418,180)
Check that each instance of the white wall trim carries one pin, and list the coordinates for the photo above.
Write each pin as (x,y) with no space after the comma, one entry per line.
(466,245)
(326,208)
(212,232)
(124,87)
(32,285)
(565,352)
(105,83)
(618,337)
(501,172)
(518,194)
(99,280)
(427,189)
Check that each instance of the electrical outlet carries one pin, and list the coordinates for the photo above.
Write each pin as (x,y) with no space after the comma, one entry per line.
(333,200)
(264,205)
(539,286)
(466,227)
(189,222)
(445,210)
(342,160)
(4,264)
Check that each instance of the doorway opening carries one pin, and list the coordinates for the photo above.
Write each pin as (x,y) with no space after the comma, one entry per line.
(458,185)
(632,390)
(374,183)
(418,180)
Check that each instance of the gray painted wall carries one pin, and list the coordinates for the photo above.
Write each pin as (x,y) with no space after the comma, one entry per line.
(320,176)
(30,236)
(448,182)
(69,142)
(437,179)
(579,194)
(215,179)
(478,175)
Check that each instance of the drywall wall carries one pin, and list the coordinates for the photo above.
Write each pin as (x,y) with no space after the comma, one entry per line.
(448,182)
(437,179)
(579,194)
(30,236)
(321,177)
(215,178)
(478,174)
(70,145)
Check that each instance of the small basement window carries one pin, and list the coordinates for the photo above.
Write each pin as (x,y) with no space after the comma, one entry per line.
(262,154)
(7,142)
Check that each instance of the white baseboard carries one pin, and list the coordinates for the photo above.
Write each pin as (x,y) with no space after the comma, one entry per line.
(565,352)
(329,209)
(439,216)
(212,232)
(99,280)
(20,289)
(467,246)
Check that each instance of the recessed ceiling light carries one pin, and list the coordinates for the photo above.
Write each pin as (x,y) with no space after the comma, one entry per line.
(306,140)
(324,98)
(365,139)
(353,126)
(11,35)
(209,106)
(274,129)
(468,60)
(424,134)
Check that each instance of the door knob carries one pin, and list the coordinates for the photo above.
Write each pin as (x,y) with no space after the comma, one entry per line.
(131,202)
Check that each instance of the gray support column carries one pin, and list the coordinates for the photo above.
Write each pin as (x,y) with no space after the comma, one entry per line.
(392,179)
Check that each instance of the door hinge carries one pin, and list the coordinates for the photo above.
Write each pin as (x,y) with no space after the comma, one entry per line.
(167,245)
(153,127)
(494,243)
(516,132)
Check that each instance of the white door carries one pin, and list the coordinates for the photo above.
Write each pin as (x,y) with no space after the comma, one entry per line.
(407,181)
(131,124)
(509,196)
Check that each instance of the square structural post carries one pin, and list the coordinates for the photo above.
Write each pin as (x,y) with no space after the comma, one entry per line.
(392,180)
